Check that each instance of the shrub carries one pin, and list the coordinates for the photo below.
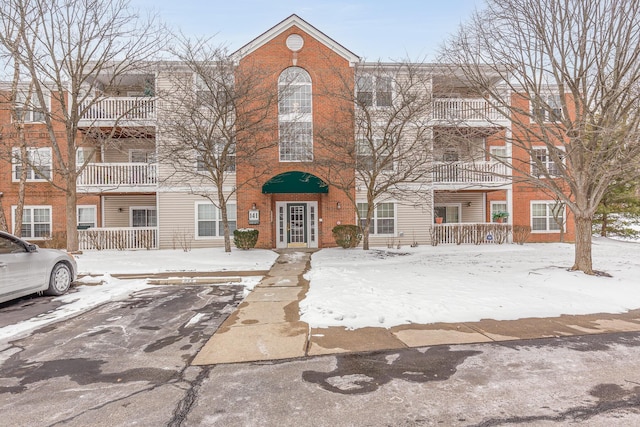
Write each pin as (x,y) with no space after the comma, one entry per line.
(347,235)
(245,238)
(521,233)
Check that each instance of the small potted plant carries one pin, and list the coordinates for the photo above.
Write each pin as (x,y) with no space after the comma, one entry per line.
(500,217)
(438,220)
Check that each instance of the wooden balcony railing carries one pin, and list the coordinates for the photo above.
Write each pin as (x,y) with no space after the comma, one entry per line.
(475,233)
(122,239)
(120,109)
(476,172)
(118,175)
(465,110)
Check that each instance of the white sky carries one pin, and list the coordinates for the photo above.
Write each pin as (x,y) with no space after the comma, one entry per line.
(372,29)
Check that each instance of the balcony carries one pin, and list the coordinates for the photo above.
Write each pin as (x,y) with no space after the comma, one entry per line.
(118,238)
(120,177)
(123,111)
(474,111)
(482,174)
(470,233)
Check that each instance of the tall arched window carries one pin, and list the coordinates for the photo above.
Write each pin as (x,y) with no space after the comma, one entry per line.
(294,116)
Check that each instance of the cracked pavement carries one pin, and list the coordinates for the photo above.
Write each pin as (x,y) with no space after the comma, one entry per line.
(129,363)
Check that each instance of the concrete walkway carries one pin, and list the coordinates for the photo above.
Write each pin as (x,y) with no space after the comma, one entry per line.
(267,326)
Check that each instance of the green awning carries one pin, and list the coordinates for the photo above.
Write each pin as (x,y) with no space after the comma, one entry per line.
(295,182)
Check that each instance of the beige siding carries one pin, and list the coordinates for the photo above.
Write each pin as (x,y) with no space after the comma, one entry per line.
(471,204)
(118,152)
(117,208)
(177,222)
(413,223)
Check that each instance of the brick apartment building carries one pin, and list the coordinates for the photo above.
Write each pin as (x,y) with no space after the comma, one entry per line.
(126,191)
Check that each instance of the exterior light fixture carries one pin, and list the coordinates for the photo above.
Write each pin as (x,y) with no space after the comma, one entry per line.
(253,206)
(338,205)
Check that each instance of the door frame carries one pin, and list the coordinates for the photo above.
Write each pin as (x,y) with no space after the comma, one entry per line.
(310,226)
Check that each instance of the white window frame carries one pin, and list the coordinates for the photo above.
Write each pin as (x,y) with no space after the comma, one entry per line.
(458,207)
(32,223)
(31,174)
(550,99)
(548,217)
(548,163)
(493,208)
(33,115)
(140,208)
(363,151)
(295,127)
(217,220)
(374,219)
(149,155)
(218,147)
(94,219)
(371,82)
(499,158)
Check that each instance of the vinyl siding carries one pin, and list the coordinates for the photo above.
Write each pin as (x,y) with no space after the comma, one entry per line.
(112,205)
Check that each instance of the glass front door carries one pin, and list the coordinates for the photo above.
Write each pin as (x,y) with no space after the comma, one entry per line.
(296,225)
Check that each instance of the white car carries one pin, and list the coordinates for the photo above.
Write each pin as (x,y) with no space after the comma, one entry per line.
(25,269)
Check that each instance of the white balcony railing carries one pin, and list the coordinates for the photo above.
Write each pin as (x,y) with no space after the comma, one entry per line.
(467,233)
(118,238)
(120,109)
(465,110)
(119,174)
(476,172)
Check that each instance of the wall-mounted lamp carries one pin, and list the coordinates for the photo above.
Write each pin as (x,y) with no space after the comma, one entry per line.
(119,209)
(253,206)
(338,205)
(468,204)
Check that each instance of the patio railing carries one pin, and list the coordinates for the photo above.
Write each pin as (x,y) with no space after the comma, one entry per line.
(119,108)
(470,233)
(118,174)
(476,172)
(118,238)
(465,109)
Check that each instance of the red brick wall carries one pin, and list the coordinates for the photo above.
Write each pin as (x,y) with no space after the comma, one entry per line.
(332,85)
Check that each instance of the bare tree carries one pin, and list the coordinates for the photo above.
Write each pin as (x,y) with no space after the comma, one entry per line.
(389,114)
(201,125)
(69,49)
(569,73)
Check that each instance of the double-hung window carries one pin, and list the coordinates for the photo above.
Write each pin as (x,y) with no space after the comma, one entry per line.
(541,161)
(383,221)
(29,109)
(295,123)
(547,108)
(86,216)
(546,216)
(209,222)
(36,222)
(374,91)
(206,161)
(38,164)
(374,155)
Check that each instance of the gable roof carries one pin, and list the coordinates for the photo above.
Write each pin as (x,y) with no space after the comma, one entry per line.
(295,20)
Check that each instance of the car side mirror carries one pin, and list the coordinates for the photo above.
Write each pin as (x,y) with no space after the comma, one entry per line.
(32,248)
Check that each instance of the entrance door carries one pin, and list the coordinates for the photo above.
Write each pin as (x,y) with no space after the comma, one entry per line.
(296,225)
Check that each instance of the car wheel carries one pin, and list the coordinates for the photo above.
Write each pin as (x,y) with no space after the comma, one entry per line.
(60,280)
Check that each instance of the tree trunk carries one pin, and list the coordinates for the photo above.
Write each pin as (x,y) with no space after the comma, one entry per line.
(3,218)
(72,219)
(605,224)
(583,261)
(17,227)
(225,220)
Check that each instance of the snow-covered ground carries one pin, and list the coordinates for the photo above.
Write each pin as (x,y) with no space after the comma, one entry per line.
(384,288)
(388,287)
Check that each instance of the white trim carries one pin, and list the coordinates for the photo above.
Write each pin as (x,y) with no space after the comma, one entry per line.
(446,205)
(13,220)
(217,220)
(15,157)
(295,20)
(492,210)
(375,218)
(147,208)
(548,217)
(312,223)
(95,213)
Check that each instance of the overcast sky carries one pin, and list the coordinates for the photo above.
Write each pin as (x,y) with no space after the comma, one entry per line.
(372,29)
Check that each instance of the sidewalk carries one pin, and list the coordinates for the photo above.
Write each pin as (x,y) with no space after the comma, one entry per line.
(267,326)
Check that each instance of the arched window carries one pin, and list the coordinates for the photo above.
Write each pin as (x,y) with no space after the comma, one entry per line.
(294,116)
